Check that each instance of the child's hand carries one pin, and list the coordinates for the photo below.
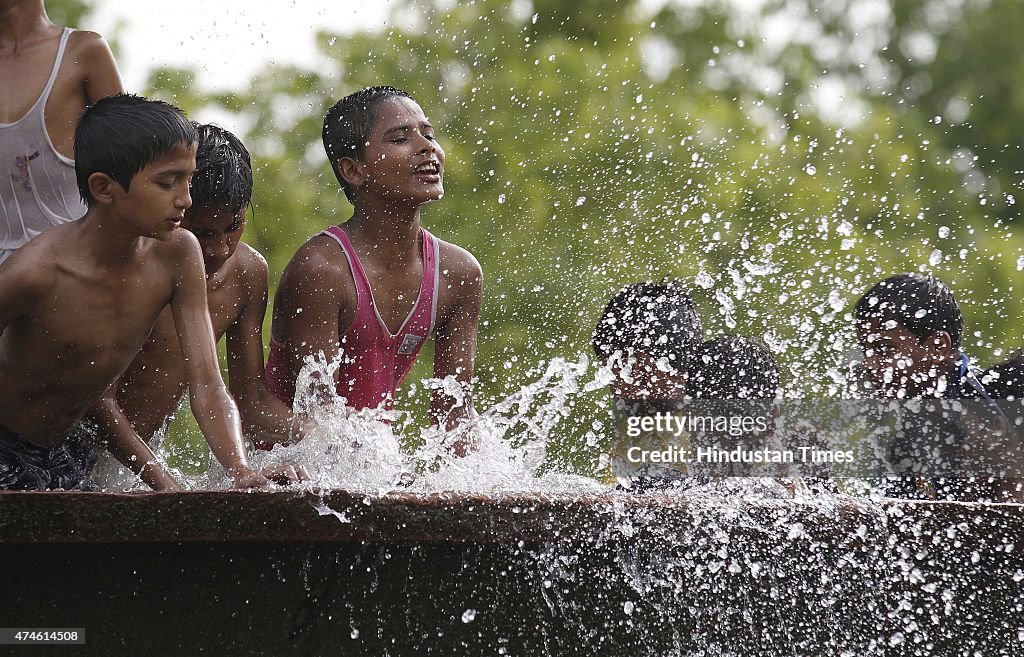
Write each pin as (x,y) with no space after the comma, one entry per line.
(284,474)
(466,442)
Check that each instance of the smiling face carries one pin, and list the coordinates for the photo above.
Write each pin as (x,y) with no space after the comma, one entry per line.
(155,202)
(901,366)
(403,161)
(218,230)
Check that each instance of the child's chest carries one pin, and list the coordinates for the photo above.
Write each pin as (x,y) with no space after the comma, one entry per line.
(395,291)
(100,319)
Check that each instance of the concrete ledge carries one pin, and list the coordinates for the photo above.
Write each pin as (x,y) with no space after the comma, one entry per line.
(329,573)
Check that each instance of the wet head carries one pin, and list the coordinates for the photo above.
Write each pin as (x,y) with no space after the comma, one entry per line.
(647,333)
(382,146)
(909,328)
(134,160)
(403,159)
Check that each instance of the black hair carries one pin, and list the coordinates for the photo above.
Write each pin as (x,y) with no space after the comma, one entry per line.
(223,170)
(348,124)
(120,135)
(923,305)
(658,319)
(734,367)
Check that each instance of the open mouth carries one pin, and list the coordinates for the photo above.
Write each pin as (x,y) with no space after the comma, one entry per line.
(428,169)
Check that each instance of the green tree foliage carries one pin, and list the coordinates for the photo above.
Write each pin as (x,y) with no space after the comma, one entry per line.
(779,160)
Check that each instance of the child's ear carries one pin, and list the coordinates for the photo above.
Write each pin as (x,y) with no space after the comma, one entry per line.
(941,346)
(102,187)
(351,171)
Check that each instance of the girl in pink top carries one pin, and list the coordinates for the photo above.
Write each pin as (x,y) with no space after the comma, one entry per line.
(377,287)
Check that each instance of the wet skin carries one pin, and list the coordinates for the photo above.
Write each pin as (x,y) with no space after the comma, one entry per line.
(236,286)
(402,169)
(899,365)
(28,47)
(78,302)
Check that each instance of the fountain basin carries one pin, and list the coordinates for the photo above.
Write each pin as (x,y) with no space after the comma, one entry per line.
(334,572)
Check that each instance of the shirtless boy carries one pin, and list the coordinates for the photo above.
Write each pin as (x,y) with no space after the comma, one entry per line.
(236,288)
(49,74)
(78,303)
(376,288)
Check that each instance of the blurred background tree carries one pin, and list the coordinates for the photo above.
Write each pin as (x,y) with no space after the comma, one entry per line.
(777,158)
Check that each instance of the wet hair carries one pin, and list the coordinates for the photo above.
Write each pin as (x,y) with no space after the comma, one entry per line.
(1005,379)
(223,170)
(658,319)
(923,305)
(348,124)
(734,367)
(120,135)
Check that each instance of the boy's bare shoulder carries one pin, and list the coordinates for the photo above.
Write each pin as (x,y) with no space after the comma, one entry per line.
(251,266)
(457,264)
(320,257)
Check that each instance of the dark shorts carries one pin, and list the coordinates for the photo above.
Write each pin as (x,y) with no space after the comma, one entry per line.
(24,466)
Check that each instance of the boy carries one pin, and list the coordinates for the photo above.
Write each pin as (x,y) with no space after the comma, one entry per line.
(49,74)
(78,302)
(375,288)
(648,331)
(236,287)
(738,377)
(909,327)
(648,334)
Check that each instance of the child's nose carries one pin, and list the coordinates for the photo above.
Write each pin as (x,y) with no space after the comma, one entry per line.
(185,200)
(427,145)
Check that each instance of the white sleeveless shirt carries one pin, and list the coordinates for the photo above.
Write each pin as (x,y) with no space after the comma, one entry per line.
(40,189)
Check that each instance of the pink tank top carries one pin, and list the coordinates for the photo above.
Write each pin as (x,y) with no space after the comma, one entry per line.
(40,189)
(373,361)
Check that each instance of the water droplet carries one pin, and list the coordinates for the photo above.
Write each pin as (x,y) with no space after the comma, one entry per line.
(935,258)
(810,169)
(469,616)
(501,198)
(628,607)
(943,232)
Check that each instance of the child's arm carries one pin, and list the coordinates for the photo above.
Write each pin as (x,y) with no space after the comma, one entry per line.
(313,297)
(101,78)
(263,415)
(127,446)
(212,406)
(455,335)
(22,284)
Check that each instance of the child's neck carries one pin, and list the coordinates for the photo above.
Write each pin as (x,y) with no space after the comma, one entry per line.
(388,234)
(101,235)
(20,19)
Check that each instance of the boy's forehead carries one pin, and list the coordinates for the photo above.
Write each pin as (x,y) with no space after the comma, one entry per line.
(181,156)
(217,212)
(398,110)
